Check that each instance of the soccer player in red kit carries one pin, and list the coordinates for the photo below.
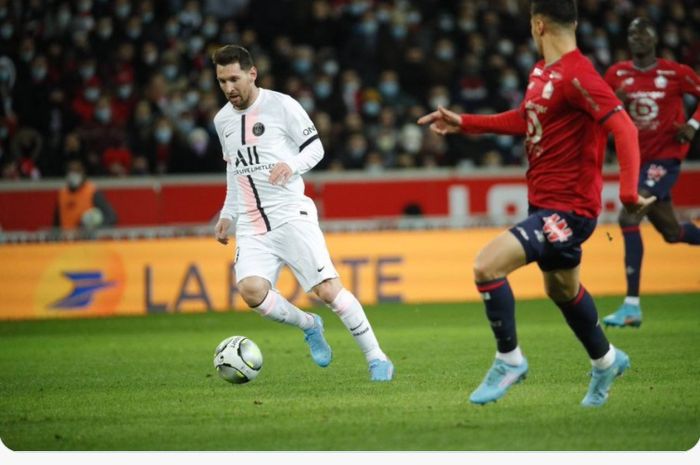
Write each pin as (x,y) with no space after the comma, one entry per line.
(652,90)
(566,115)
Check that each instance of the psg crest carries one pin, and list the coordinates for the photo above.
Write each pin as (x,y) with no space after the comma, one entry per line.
(258,129)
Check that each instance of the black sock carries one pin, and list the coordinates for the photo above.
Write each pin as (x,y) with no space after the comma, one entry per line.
(500,310)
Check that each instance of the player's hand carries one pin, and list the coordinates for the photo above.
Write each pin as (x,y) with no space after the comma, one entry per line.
(643,203)
(685,133)
(221,230)
(442,121)
(280,174)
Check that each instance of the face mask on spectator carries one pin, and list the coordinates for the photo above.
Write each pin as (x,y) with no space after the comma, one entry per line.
(133,32)
(86,72)
(84,6)
(505,47)
(63,17)
(39,73)
(26,55)
(323,89)
(172,29)
(525,61)
(399,32)
(196,44)
(6,31)
(307,103)
(105,32)
(383,15)
(371,108)
(357,8)
(414,17)
(302,66)
(389,88)
(103,115)
(439,101)
(369,27)
(150,58)
(445,53)
(91,94)
(163,135)
(124,91)
(192,98)
(350,87)
(210,29)
(671,39)
(3,13)
(185,126)
(330,67)
(123,10)
(147,17)
(205,85)
(4,132)
(170,71)
(509,82)
(446,23)
(74,179)
(5,74)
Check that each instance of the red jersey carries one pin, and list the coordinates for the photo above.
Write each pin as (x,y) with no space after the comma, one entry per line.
(655,103)
(564,106)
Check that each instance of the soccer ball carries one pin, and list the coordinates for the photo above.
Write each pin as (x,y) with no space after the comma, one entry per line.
(92,218)
(238,359)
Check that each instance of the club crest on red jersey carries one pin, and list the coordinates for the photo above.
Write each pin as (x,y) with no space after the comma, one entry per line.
(654,174)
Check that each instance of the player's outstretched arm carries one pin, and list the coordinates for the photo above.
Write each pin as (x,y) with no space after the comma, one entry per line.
(444,121)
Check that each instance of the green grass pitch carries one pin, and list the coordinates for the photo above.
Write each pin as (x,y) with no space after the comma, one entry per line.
(147,383)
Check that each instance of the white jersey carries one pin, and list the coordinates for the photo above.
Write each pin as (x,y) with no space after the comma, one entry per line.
(275,128)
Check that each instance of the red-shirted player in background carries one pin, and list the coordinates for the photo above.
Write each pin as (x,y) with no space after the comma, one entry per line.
(566,115)
(652,90)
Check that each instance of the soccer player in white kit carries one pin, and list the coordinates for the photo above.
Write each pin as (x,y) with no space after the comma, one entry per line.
(268,142)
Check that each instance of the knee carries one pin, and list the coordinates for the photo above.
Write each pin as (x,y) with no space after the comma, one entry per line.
(253,290)
(561,293)
(484,269)
(626,219)
(328,290)
(671,235)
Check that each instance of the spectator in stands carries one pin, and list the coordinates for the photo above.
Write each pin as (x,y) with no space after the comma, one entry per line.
(80,204)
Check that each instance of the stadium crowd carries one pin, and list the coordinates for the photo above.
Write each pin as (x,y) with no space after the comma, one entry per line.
(128,87)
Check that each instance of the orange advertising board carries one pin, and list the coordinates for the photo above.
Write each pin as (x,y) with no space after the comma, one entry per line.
(86,279)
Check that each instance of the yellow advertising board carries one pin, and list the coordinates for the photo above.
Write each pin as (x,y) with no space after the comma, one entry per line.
(84,279)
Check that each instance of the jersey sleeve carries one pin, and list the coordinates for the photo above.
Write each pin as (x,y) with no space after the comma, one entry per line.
(220,135)
(300,128)
(302,131)
(609,77)
(586,90)
(690,81)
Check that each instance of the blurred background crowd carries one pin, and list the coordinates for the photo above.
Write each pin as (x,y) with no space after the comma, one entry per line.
(128,86)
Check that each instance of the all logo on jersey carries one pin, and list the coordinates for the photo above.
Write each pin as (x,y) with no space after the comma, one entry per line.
(258,129)
(660,82)
(252,157)
(556,229)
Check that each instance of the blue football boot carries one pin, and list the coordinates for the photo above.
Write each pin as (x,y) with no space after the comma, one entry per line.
(626,315)
(499,378)
(381,370)
(320,350)
(601,380)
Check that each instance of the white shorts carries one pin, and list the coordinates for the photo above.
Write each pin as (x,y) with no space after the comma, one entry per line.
(297,244)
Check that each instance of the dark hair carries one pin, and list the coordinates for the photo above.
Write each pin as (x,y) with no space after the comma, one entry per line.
(229,54)
(560,11)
